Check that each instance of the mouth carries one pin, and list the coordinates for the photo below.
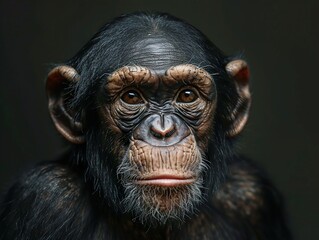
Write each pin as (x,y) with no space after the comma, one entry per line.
(166,181)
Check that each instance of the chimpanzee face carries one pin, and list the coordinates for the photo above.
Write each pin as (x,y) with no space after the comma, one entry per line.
(160,108)
(164,114)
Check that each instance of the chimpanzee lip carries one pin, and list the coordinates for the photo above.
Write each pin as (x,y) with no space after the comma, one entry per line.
(180,142)
(166,180)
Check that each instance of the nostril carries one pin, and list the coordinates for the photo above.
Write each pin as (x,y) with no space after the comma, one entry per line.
(171,132)
(156,133)
(162,133)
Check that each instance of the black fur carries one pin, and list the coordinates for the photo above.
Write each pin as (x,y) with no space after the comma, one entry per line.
(79,196)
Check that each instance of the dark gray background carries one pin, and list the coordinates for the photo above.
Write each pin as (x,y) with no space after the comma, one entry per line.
(278,38)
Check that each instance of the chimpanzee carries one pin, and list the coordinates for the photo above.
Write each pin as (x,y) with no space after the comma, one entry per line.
(152,110)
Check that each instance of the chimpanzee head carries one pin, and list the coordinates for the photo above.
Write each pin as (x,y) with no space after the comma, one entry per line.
(151,107)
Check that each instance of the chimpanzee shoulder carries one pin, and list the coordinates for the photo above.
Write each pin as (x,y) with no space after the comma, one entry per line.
(249,200)
(45,203)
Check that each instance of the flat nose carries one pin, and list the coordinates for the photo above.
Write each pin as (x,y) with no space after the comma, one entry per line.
(162,127)
(161,130)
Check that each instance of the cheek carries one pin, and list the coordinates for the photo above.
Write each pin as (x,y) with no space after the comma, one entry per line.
(107,120)
(118,141)
(205,130)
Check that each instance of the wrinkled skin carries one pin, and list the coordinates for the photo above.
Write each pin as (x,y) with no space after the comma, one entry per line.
(161,110)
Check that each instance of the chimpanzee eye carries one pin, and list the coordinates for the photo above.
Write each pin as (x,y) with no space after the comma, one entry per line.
(187,96)
(132,97)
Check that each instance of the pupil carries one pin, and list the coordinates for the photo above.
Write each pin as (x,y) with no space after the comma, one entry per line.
(131,95)
(187,93)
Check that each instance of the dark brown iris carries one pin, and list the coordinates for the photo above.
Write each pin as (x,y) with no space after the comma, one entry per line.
(187,96)
(132,97)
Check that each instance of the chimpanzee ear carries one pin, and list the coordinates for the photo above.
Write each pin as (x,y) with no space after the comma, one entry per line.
(239,72)
(58,82)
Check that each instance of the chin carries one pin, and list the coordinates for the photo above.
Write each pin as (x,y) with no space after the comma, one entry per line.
(160,204)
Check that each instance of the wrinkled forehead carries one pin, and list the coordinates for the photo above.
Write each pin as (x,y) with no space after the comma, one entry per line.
(157,53)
